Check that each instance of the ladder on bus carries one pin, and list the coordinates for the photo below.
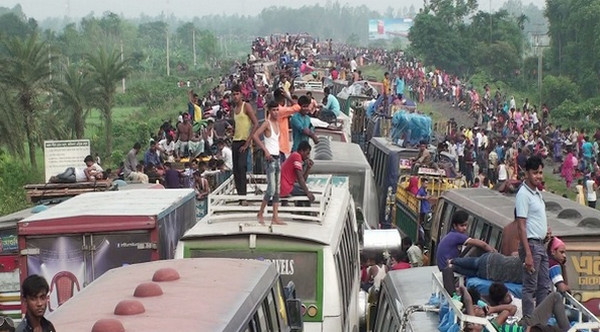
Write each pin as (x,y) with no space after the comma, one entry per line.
(223,202)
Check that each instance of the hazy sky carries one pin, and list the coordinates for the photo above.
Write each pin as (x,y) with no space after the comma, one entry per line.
(40,9)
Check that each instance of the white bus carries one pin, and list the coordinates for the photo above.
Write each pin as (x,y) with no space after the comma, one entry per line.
(317,249)
(204,294)
(348,159)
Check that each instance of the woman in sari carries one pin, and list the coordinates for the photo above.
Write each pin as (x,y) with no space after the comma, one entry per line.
(568,168)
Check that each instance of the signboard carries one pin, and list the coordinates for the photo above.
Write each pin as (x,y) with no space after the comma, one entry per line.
(299,267)
(60,155)
(389,28)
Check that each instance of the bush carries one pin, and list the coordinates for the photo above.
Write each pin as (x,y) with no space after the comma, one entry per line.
(13,176)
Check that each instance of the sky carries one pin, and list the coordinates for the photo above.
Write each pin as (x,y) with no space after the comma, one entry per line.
(41,9)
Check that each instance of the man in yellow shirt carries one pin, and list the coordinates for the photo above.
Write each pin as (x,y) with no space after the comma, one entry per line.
(386,91)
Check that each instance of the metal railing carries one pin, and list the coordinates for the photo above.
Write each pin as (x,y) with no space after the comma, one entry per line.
(223,202)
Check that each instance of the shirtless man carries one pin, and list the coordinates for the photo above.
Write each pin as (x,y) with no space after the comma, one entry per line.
(185,131)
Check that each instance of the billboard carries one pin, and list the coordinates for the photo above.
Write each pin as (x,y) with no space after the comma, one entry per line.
(59,155)
(389,28)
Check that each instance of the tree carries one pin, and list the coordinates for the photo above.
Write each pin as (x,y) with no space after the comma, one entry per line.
(555,90)
(76,96)
(26,73)
(107,69)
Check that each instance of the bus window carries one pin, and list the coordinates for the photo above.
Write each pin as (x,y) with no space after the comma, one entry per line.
(271,310)
(261,314)
(382,313)
(485,234)
(495,237)
(476,227)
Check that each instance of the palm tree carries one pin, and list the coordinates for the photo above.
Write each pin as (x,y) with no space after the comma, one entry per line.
(11,126)
(26,75)
(107,69)
(76,94)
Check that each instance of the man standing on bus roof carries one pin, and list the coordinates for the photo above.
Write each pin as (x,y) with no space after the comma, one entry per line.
(270,131)
(293,180)
(302,129)
(245,124)
(533,229)
(34,292)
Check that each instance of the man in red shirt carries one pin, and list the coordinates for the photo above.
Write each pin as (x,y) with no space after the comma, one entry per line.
(293,179)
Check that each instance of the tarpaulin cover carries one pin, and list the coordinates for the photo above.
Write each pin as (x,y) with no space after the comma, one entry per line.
(415,127)
(408,104)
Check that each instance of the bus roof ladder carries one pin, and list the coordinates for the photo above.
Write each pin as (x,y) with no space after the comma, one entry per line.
(223,202)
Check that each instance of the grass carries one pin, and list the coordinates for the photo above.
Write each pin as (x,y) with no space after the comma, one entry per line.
(373,70)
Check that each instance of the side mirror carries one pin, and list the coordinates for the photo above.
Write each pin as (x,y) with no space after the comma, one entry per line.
(294,311)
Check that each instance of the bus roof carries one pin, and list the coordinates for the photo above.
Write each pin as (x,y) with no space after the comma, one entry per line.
(212,294)
(385,145)
(566,217)
(570,219)
(413,287)
(142,202)
(325,231)
(489,204)
(337,157)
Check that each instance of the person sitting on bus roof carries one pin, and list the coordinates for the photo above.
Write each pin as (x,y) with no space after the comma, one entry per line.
(557,257)
(457,237)
(293,180)
(423,158)
(537,322)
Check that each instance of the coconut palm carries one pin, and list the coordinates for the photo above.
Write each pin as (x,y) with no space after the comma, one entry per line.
(107,69)
(25,75)
(76,95)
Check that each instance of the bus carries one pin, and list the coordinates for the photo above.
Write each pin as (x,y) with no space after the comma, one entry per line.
(407,208)
(388,162)
(409,301)
(347,159)
(491,216)
(204,294)
(318,248)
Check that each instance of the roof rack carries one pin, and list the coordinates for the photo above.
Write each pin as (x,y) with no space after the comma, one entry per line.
(223,202)
(585,319)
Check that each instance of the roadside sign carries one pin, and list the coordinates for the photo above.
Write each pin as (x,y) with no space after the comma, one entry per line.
(59,155)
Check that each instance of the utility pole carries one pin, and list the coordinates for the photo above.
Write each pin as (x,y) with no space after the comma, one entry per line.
(491,25)
(194,44)
(168,65)
(122,59)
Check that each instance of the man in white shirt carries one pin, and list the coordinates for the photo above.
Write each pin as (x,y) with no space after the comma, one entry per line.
(225,154)
(353,65)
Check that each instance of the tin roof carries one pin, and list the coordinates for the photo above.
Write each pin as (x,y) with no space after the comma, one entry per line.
(142,202)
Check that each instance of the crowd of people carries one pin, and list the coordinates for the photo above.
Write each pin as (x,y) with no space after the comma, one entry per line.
(538,265)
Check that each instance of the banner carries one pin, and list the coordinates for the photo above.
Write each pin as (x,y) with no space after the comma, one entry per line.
(389,28)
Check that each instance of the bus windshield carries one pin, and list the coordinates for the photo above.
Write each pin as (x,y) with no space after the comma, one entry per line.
(298,267)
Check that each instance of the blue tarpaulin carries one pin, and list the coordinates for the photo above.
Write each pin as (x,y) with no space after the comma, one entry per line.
(414,127)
